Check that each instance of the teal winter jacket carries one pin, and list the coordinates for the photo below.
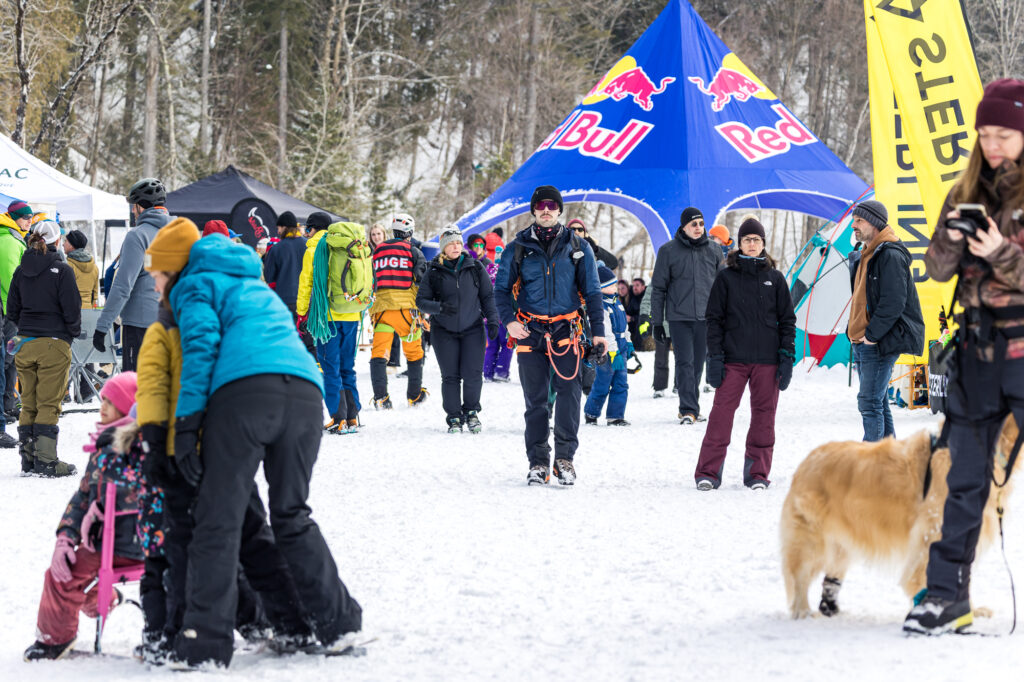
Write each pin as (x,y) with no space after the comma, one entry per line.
(232,324)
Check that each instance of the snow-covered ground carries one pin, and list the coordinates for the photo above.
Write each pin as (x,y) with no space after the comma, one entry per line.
(466,573)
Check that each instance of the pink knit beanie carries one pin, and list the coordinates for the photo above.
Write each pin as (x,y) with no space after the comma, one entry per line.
(120,391)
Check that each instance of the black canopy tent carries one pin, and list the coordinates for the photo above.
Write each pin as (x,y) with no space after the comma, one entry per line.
(248,206)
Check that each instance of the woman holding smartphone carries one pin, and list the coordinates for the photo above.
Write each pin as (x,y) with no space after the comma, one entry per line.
(986,375)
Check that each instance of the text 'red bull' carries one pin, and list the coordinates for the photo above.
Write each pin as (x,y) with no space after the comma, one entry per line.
(582,133)
(766,141)
(726,85)
(636,83)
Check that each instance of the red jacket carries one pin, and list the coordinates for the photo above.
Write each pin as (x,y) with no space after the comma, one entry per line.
(493,241)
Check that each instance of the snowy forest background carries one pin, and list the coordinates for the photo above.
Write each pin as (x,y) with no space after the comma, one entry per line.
(369,107)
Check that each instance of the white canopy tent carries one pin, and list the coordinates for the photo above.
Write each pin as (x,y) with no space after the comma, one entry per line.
(23,176)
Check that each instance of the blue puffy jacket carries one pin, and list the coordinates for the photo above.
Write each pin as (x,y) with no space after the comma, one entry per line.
(232,324)
(551,283)
(615,318)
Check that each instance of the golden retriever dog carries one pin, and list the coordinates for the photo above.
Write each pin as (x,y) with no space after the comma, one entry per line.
(852,501)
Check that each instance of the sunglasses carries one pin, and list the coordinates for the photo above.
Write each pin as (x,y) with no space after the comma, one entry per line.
(546,205)
(579,229)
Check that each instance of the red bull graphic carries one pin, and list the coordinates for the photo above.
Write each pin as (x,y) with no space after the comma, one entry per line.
(726,85)
(582,132)
(626,79)
(765,142)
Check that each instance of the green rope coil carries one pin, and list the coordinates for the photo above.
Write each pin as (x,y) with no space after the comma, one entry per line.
(319,323)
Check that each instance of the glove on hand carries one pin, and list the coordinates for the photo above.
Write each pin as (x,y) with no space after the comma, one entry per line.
(785,372)
(716,370)
(63,559)
(99,339)
(492,330)
(659,333)
(156,466)
(186,447)
(300,324)
(644,327)
(92,526)
(448,308)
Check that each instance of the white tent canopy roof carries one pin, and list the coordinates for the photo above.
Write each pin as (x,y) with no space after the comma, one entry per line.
(25,177)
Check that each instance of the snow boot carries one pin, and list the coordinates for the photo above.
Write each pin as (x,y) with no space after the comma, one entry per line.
(454,424)
(590,420)
(27,448)
(419,399)
(46,463)
(565,472)
(379,377)
(336,426)
(154,648)
(48,652)
(293,644)
(705,484)
(472,421)
(538,475)
(383,403)
(414,388)
(618,422)
(687,418)
(829,605)
(937,616)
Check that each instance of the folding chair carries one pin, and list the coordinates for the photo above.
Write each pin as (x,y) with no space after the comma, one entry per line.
(83,353)
(109,574)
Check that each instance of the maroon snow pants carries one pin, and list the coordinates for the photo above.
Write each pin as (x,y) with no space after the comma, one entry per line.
(764,398)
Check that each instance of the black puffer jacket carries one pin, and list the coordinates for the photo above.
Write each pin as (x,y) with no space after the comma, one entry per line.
(750,312)
(683,273)
(896,323)
(466,285)
(44,298)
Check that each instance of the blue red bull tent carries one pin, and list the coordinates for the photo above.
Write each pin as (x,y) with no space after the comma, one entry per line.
(679,121)
(246,205)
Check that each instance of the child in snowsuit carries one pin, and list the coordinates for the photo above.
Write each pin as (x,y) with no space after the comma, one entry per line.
(611,379)
(76,557)
(498,356)
(243,414)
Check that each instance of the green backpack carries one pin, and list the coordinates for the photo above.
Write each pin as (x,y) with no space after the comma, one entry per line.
(350,268)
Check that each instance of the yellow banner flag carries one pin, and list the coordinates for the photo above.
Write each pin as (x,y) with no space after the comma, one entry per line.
(924,88)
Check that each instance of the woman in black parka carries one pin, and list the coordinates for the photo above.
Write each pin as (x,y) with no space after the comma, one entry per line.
(456,292)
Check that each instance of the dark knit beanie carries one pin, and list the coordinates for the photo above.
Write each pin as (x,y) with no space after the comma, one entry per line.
(546,192)
(605,276)
(751,226)
(688,214)
(77,239)
(318,220)
(287,219)
(872,211)
(475,239)
(1002,105)
(19,209)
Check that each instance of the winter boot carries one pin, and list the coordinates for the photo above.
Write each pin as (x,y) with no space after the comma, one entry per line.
(420,399)
(414,388)
(829,605)
(336,426)
(472,421)
(565,472)
(27,448)
(379,377)
(454,424)
(293,643)
(936,616)
(46,463)
(687,418)
(618,422)
(538,475)
(6,441)
(154,648)
(590,420)
(48,652)
(382,403)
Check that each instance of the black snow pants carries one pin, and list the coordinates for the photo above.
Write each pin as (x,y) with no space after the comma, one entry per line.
(273,419)
(461,359)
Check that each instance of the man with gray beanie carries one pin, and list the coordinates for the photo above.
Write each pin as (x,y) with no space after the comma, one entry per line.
(885,314)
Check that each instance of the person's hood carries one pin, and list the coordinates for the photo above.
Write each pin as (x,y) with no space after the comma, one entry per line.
(315,239)
(156,217)
(80,255)
(218,254)
(685,240)
(34,263)
(7,221)
(165,317)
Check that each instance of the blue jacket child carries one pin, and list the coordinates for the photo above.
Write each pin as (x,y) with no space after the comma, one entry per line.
(611,380)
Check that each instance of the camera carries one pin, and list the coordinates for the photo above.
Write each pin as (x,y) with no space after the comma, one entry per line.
(973,217)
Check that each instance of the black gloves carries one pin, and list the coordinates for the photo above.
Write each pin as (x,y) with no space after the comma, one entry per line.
(186,447)
(155,466)
(785,372)
(99,339)
(448,308)
(716,370)
(492,330)
(659,333)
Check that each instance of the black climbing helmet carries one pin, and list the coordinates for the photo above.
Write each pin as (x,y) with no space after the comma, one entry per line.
(147,192)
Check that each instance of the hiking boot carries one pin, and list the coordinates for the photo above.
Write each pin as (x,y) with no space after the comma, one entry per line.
(936,616)
(48,652)
(7,441)
(27,449)
(705,485)
(46,463)
(353,425)
(565,472)
(336,426)
(382,403)
(758,485)
(154,648)
(419,399)
(687,418)
(590,420)
(472,422)
(659,394)
(618,422)
(293,644)
(454,424)
(538,475)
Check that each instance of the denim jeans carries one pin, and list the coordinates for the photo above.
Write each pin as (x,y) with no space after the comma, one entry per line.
(874,371)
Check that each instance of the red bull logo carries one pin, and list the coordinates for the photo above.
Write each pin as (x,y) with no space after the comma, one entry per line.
(626,79)
(582,132)
(727,85)
(766,141)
